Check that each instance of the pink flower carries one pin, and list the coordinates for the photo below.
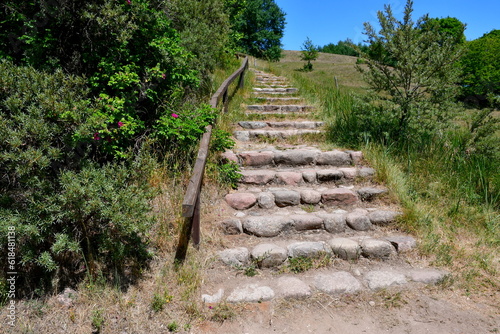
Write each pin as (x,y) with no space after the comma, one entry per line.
(96,136)
(120,124)
(175,115)
(164,76)
(129,2)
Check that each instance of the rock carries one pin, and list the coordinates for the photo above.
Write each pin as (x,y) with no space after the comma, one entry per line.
(427,276)
(337,283)
(307,222)
(292,288)
(269,255)
(375,248)
(296,157)
(333,222)
(67,298)
(251,293)
(267,226)
(289,178)
(307,249)
(242,135)
(402,243)
(366,172)
(356,156)
(230,156)
(358,220)
(258,177)
(349,172)
(252,125)
(235,256)
(265,200)
(344,248)
(339,196)
(369,193)
(241,201)
(309,176)
(256,158)
(232,226)
(213,299)
(380,279)
(334,158)
(326,175)
(383,217)
(280,124)
(286,198)
(309,196)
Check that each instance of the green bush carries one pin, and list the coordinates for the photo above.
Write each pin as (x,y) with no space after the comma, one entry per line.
(69,213)
(129,52)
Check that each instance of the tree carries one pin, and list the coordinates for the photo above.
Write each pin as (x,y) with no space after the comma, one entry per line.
(422,81)
(481,65)
(448,27)
(309,53)
(260,26)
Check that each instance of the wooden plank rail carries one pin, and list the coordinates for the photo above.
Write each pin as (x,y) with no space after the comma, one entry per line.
(191,204)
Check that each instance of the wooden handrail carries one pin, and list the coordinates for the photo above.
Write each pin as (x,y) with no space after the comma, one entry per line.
(191,203)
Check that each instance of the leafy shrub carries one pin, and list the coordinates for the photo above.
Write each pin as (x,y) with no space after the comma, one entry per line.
(69,213)
(130,53)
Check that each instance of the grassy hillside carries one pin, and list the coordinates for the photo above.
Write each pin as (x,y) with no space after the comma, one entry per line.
(449,186)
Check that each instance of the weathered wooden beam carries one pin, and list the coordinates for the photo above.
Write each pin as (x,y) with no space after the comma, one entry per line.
(191,203)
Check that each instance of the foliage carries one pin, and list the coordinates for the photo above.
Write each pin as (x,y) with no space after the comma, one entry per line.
(205,36)
(260,26)
(309,53)
(183,129)
(343,48)
(481,65)
(422,80)
(69,213)
(129,51)
(449,27)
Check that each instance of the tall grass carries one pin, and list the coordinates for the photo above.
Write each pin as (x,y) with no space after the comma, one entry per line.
(448,182)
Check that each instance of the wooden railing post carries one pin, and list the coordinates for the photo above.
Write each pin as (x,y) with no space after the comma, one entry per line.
(195,233)
(225,102)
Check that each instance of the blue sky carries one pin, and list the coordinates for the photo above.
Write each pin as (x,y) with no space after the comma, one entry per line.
(329,21)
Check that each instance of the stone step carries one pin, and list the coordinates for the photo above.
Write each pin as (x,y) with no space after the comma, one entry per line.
(288,124)
(275,254)
(295,157)
(276,90)
(279,108)
(287,223)
(264,94)
(333,281)
(281,100)
(275,134)
(343,196)
(304,176)
(273,85)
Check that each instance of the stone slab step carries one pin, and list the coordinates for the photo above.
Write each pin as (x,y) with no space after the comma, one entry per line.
(335,222)
(281,100)
(273,255)
(277,134)
(279,108)
(304,176)
(264,94)
(252,125)
(332,282)
(295,157)
(276,90)
(281,197)
(273,85)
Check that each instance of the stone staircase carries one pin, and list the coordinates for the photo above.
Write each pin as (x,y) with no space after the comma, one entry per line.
(307,220)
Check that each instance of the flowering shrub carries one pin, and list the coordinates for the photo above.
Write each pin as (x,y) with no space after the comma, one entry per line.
(183,129)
